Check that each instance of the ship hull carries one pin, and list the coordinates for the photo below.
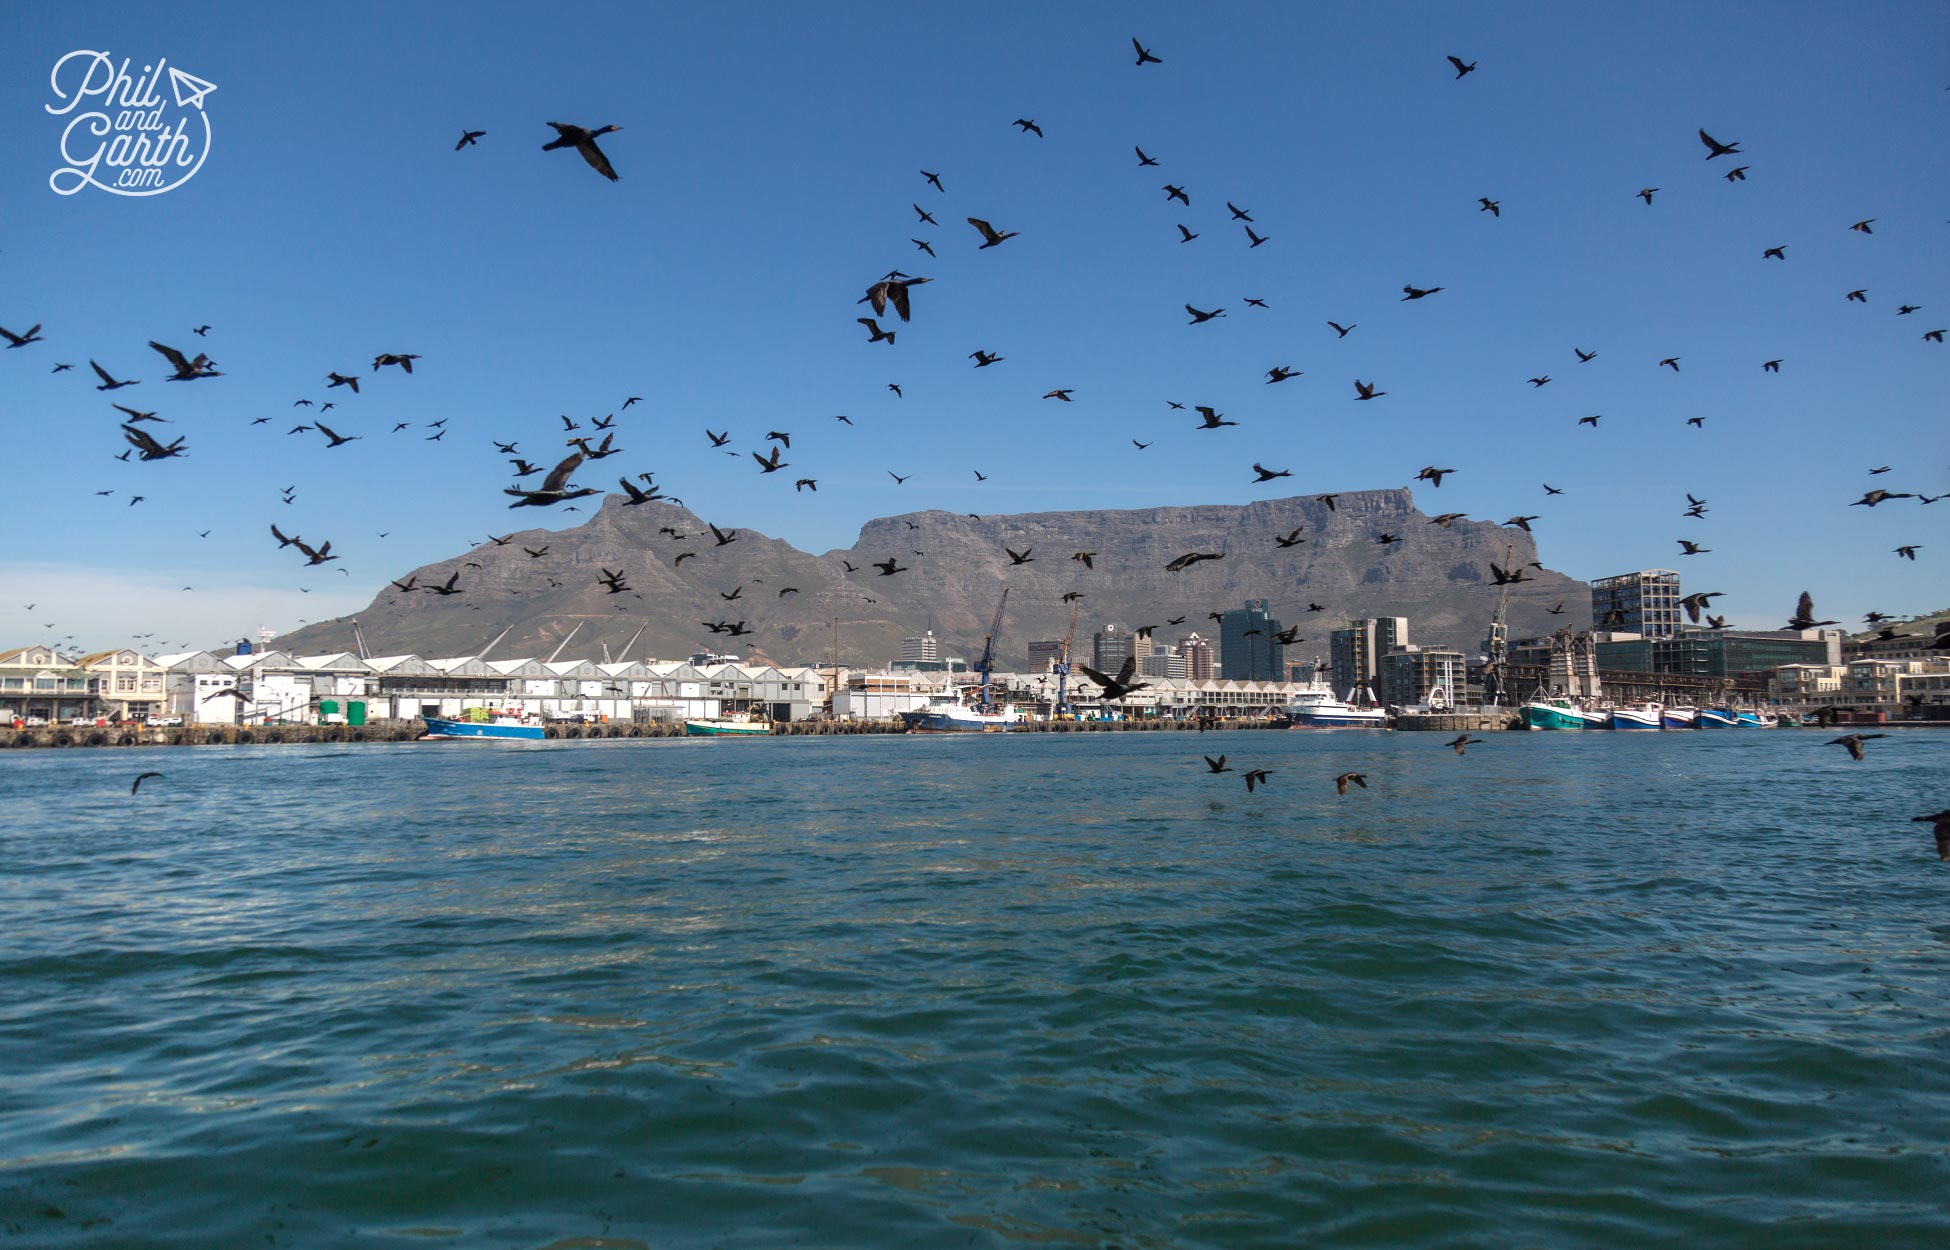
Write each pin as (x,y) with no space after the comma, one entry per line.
(1545,716)
(439,727)
(724,729)
(1714,718)
(1635,718)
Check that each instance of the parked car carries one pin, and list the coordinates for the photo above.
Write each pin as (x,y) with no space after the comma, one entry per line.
(164,722)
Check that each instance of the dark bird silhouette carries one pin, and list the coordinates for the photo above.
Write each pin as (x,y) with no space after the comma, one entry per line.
(1212,418)
(718,440)
(1120,686)
(149,448)
(1386,539)
(1084,558)
(979,475)
(1328,500)
(1366,390)
(1874,497)
(1585,357)
(1291,539)
(135,416)
(1670,362)
(1862,227)
(889,567)
(314,556)
(61,368)
(1190,558)
(1218,765)
(936,180)
(1280,373)
(1144,54)
(1256,777)
(722,537)
(1447,519)
(681,557)
(1022,557)
(1267,475)
(583,141)
(140,778)
(411,583)
(1558,610)
(926,217)
(1201,317)
(1411,292)
(1541,379)
(340,379)
(1177,193)
(33,335)
(555,487)
(1909,551)
(1028,126)
(990,235)
(638,496)
(186,370)
(772,465)
(1941,821)
(1460,68)
(1859,296)
(1138,445)
(1906,309)
(1062,394)
(449,587)
(1340,782)
(109,383)
(1255,303)
(1432,475)
(1775,253)
(1693,603)
(983,359)
(1185,235)
(1460,742)
(1522,522)
(891,291)
(1503,577)
(1933,336)
(535,553)
(1697,422)
(1143,160)
(1646,193)
(1493,207)
(898,479)
(892,386)
(338,440)
(1692,548)
(1591,421)
(469,138)
(806,483)
(1339,329)
(923,245)
(403,359)
(1852,743)
(1715,148)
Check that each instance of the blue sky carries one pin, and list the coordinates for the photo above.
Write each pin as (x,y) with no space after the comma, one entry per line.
(769,159)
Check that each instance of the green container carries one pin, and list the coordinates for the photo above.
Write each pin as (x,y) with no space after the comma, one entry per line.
(355,712)
(328,707)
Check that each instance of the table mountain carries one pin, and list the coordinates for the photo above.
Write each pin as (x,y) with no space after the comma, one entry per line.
(1438,577)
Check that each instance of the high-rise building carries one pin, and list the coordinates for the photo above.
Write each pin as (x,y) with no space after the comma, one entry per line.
(1356,651)
(916,650)
(1248,650)
(1645,603)
(1163,661)
(1044,654)
(1199,662)
(1110,647)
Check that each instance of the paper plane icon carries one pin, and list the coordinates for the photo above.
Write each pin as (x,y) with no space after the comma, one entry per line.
(189,89)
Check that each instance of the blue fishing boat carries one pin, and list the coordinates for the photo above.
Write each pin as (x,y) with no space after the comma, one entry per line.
(1715,718)
(483,723)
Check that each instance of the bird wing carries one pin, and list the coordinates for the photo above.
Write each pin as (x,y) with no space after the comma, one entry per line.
(597,161)
(141,439)
(558,477)
(174,357)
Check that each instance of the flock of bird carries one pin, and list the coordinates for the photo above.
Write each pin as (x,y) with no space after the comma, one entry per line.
(895,292)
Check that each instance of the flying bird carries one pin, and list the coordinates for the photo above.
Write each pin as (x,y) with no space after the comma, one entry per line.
(1715,148)
(1213,419)
(468,138)
(142,777)
(555,487)
(990,235)
(1190,558)
(1028,126)
(1267,475)
(109,383)
(33,335)
(1366,390)
(1941,820)
(1143,55)
(1412,292)
(1339,329)
(1461,742)
(1256,776)
(1852,743)
(1340,782)
(1493,207)
(187,370)
(1461,69)
(1291,539)
(1143,160)
(583,141)
(1199,318)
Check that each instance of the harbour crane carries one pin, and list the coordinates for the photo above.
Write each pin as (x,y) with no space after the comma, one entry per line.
(986,665)
(1496,665)
(1063,709)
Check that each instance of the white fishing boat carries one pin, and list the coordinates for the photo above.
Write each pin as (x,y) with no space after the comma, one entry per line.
(1317,708)
(737,724)
(1639,716)
(1681,717)
(948,714)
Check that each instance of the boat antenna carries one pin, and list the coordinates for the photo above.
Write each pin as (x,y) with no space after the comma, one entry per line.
(563,643)
(482,654)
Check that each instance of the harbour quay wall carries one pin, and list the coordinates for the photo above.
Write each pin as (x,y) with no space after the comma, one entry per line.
(57,737)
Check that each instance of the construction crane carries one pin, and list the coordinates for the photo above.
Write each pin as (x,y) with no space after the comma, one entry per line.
(1496,665)
(1062,667)
(986,664)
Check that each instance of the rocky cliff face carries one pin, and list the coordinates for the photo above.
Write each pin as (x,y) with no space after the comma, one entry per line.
(956,567)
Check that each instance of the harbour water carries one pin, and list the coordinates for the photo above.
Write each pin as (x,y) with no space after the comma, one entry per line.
(1569,990)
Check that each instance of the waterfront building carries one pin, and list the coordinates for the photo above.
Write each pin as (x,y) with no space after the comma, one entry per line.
(1355,652)
(41,683)
(124,684)
(1911,642)
(1200,663)
(1644,603)
(1163,661)
(1248,650)
(1413,675)
(1718,652)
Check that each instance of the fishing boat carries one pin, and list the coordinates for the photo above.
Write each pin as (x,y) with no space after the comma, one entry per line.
(1317,708)
(1596,718)
(1551,714)
(1682,717)
(1643,716)
(737,724)
(947,714)
(480,722)
(1753,718)
(1715,718)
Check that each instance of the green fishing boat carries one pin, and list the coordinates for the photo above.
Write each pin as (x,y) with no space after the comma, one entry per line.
(1551,714)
